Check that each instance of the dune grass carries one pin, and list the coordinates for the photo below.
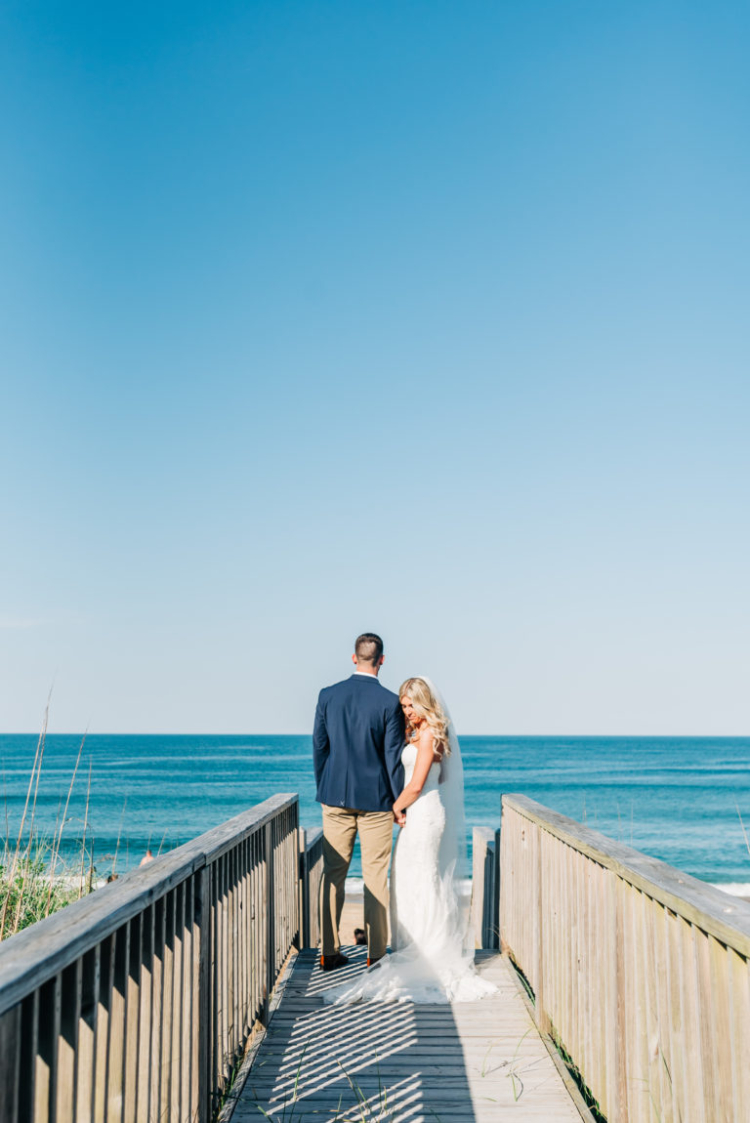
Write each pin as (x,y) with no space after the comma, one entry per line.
(34,879)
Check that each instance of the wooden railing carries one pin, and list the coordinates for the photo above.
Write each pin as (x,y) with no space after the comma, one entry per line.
(134,1004)
(310,876)
(485,887)
(639,971)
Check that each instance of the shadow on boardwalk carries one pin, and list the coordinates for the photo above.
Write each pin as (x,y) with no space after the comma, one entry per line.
(398,1062)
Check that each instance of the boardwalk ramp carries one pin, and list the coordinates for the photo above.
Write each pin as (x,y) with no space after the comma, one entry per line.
(376,1062)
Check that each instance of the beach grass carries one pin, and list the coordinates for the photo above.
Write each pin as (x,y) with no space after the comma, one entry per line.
(34,880)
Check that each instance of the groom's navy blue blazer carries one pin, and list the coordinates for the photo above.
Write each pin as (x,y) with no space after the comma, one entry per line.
(358,739)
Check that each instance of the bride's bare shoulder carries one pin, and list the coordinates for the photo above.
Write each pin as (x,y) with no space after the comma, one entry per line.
(426,740)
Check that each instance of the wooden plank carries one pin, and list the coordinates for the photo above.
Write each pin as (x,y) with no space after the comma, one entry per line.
(251,950)
(618,889)
(304,890)
(230,961)
(507,881)
(175,1063)
(648,936)
(86,1056)
(564,921)
(693,1089)
(146,1014)
(117,1040)
(636,1018)
(677,1058)
(157,1006)
(664,999)
(29,1052)
(70,1015)
(46,1066)
(132,1025)
(315,874)
(267,924)
(10,1064)
(739,992)
(214,981)
(724,1065)
(540,935)
(167,1012)
(598,985)
(583,1031)
(189,1007)
(103,1017)
(256,936)
(482,887)
(200,1084)
(244,990)
(222,985)
(709,1038)
(496,902)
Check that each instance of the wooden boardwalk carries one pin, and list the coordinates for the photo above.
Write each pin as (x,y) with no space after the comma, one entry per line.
(138,1002)
(399,1062)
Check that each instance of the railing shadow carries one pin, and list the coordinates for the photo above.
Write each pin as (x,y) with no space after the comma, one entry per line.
(365,1062)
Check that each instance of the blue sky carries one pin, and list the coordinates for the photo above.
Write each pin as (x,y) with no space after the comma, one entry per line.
(425,318)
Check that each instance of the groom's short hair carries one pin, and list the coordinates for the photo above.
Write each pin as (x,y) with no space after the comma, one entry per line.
(368,648)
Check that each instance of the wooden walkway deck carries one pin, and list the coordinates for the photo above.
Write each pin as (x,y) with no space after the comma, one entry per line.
(399,1062)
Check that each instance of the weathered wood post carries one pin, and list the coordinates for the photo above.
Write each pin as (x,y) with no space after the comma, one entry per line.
(311,870)
(269,919)
(201,1082)
(484,888)
(302,933)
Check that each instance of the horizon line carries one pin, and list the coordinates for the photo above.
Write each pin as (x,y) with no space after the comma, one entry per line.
(235,733)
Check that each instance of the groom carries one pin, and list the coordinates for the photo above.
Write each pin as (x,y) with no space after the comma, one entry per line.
(357,744)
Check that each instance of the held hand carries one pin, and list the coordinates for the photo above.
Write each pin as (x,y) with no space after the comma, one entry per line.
(400,817)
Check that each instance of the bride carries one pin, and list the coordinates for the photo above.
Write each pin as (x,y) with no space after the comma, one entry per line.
(432,958)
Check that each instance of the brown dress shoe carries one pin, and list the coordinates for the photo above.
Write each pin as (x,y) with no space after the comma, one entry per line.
(331,962)
(372,962)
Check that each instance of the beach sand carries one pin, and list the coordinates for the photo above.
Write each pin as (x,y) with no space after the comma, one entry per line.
(353,917)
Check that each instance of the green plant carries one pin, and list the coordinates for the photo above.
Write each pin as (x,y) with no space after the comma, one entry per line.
(363,1102)
(32,883)
(588,1096)
(288,1103)
(515,1079)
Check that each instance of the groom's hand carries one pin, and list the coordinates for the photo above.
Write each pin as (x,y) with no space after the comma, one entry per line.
(400,817)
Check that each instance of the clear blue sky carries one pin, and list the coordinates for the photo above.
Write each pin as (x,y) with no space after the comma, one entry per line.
(427,318)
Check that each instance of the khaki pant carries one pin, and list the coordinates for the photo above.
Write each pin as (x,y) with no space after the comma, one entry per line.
(340,826)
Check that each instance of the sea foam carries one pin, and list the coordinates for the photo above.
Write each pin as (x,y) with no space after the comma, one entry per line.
(734,888)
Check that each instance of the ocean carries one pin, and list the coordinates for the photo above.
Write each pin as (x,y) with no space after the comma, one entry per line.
(680,799)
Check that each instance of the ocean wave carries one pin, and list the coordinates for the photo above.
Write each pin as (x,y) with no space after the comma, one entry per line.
(734,888)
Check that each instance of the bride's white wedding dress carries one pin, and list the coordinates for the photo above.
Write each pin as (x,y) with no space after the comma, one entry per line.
(432,958)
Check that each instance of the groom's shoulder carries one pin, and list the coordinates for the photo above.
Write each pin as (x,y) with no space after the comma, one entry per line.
(335,688)
(392,701)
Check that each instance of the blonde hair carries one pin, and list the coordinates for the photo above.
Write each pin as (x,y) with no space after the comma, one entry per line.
(427,706)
